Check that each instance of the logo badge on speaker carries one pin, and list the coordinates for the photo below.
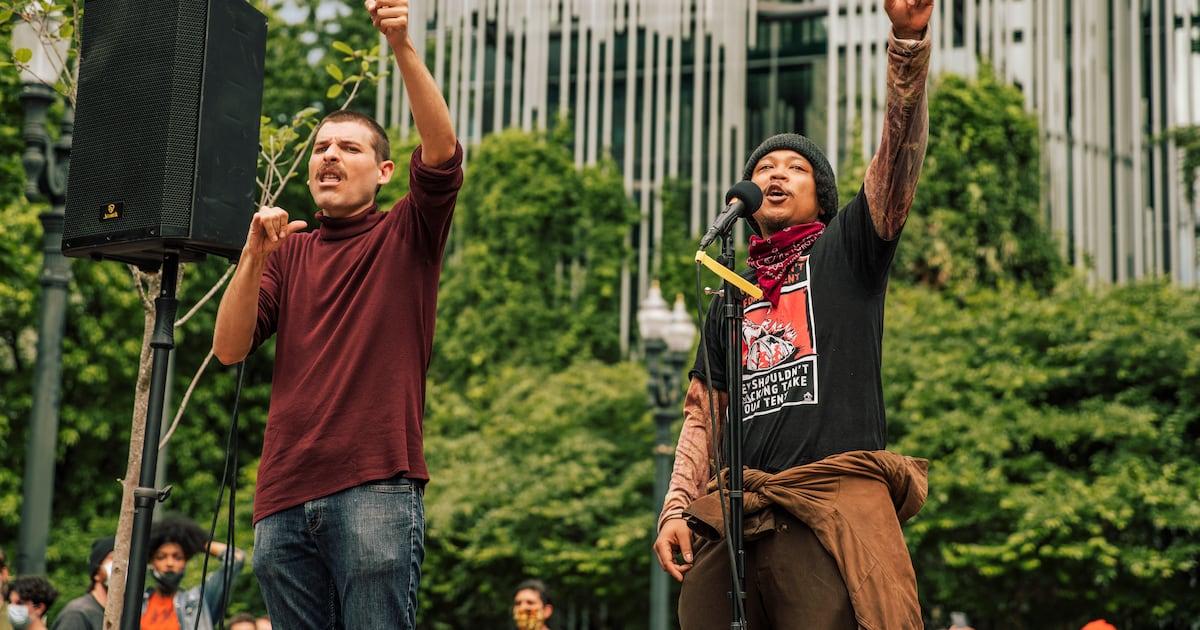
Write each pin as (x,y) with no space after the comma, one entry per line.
(112,211)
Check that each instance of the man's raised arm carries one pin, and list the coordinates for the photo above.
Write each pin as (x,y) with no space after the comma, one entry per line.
(891,180)
(429,109)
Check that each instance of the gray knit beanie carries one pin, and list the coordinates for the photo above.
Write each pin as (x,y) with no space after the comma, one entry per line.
(827,194)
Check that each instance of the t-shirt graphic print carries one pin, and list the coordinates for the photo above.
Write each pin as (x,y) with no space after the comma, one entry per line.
(779,349)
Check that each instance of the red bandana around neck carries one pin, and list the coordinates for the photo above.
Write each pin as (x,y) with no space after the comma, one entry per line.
(772,257)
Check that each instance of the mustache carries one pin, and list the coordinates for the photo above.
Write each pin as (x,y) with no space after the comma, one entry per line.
(774,187)
(330,169)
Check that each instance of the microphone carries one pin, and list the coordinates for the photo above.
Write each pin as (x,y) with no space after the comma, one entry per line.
(742,200)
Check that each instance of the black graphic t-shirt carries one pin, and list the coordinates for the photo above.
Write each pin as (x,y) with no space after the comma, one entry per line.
(811,384)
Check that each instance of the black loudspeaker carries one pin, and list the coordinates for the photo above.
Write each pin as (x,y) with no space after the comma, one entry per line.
(166,130)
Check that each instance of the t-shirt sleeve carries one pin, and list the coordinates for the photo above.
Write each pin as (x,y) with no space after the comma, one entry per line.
(432,193)
(867,254)
(71,619)
(269,291)
(712,343)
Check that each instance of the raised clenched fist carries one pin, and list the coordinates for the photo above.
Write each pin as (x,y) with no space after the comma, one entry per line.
(268,229)
(909,17)
(390,17)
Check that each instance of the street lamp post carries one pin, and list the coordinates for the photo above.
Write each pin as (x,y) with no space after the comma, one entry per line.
(45,180)
(666,336)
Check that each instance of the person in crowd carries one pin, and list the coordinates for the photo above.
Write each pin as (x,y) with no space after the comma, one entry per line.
(5,624)
(29,599)
(531,606)
(86,612)
(173,541)
(241,621)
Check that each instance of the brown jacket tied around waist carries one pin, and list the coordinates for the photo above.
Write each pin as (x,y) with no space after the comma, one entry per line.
(842,499)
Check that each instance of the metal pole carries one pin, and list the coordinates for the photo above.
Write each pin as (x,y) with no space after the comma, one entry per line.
(45,180)
(660,395)
(146,495)
(733,369)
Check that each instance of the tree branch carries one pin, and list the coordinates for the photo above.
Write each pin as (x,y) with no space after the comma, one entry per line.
(187,396)
(207,296)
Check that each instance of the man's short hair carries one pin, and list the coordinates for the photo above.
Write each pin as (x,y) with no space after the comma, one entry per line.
(240,618)
(179,530)
(538,587)
(35,589)
(379,138)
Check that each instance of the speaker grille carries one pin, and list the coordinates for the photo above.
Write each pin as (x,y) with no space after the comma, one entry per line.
(185,115)
(166,129)
(138,90)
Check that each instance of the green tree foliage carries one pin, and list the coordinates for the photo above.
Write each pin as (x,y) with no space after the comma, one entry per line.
(532,277)
(12,174)
(536,438)
(1187,138)
(975,219)
(538,472)
(1064,436)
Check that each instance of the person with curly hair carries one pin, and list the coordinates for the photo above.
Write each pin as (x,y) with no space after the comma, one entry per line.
(29,598)
(173,541)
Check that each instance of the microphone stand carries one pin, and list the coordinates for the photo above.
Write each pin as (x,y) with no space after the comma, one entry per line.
(734,316)
(146,495)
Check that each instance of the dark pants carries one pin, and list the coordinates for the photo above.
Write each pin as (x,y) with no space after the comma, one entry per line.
(791,583)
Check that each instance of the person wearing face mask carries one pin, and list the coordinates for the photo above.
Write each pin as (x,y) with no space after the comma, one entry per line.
(173,541)
(86,612)
(29,597)
(531,606)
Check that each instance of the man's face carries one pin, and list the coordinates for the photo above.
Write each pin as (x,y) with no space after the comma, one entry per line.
(104,571)
(242,625)
(343,172)
(528,609)
(168,558)
(789,191)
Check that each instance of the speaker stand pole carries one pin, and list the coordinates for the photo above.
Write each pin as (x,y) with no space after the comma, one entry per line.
(146,495)
(734,315)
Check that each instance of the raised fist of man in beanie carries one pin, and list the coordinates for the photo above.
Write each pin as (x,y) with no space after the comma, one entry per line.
(909,17)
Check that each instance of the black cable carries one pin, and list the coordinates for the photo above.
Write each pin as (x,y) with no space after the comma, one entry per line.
(230,548)
(713,445)
(228,474)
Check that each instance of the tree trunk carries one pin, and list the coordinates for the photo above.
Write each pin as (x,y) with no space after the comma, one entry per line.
(137,434)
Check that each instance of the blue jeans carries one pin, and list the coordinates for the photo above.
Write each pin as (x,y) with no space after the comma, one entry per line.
(348,560)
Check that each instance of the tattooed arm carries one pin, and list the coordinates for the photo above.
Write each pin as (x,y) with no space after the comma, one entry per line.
(891,180)
(688,481)
(693,453)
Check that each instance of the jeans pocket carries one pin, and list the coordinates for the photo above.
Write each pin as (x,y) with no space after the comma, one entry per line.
(388,488)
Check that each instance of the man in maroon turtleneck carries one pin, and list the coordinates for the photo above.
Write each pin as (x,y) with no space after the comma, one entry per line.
(338,510)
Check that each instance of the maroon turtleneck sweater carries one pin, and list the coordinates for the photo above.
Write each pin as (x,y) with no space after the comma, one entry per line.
(353,306)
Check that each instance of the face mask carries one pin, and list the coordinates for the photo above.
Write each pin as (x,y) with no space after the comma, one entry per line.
(18,615)
(528,619)
(107,572)
(168,581)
